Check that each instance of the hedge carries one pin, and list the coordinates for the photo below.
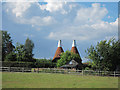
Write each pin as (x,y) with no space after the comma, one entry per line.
(16,64)
(27,64)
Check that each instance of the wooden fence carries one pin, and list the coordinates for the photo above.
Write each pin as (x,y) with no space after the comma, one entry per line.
(15,69)
(77,72)
(62,71)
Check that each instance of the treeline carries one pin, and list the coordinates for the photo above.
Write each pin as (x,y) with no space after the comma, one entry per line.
(20,55)
(20,52)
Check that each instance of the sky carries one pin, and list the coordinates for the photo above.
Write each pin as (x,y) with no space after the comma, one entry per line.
(47,22)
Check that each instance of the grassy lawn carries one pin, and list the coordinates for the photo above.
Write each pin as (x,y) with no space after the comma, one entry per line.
(45,80)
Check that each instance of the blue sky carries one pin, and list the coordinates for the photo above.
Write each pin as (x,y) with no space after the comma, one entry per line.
(46,23)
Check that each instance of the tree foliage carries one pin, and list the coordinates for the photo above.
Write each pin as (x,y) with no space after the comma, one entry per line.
(105,55)
(66,57)
(29,45)
(24,52)
(7,45)
(20,52)
(10,57)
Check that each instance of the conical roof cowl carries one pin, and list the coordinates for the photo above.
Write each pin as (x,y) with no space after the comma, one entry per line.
(58,52)
(74,50)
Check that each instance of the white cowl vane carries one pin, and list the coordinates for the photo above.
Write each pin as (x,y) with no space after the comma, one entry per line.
(74,43)
(59,43)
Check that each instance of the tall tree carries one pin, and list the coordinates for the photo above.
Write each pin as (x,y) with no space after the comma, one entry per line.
(105,55)
(0,46)
(29,45)
(7,45)
(20,52)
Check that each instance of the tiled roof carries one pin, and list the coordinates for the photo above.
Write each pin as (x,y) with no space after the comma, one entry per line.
(74,50)
(57,54)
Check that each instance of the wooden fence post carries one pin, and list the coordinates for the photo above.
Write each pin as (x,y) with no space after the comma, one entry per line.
(82,72)
(9,69)
(34,70)
(114,73)
(23,69)
(38,70)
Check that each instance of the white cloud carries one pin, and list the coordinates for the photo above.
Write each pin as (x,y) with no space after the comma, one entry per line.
(53,6)
(84,23)
(115,23)
(109,37)
(28,35)
(71,6)
(18,11)
(86,32)
(37,21)
(18,8)
(87,25)
(7,10)
(109,17)
(91,15)
(32,25)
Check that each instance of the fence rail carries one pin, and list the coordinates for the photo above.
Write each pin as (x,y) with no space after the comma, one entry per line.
(15,69)
(62,71)
(78,72)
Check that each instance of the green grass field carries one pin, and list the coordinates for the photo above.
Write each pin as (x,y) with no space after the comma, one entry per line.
(45,80)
